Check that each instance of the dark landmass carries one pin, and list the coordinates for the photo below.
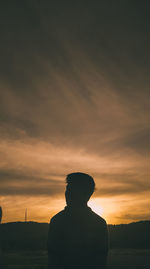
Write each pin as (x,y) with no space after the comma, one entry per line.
(133,235)
(33,235)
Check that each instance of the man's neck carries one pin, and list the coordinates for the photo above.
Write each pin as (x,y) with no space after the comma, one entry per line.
(77,205)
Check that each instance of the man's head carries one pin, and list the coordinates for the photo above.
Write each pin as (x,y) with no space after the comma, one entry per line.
(79,188)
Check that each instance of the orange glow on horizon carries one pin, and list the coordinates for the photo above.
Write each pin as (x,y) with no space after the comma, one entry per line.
(94,205)
(42,209)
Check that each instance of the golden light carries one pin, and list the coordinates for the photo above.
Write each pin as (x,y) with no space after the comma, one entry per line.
(95,206)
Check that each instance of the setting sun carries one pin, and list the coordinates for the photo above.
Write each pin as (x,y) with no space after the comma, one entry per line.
(95,206)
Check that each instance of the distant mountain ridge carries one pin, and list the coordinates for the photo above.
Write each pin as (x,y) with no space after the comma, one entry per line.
(33,235)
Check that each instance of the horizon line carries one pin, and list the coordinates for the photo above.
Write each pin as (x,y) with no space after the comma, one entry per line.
(48,222)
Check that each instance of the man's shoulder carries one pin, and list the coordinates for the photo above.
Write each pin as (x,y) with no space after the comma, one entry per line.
(60,215)
(98,219)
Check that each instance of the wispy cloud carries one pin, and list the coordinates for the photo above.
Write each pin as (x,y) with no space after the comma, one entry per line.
(74,97)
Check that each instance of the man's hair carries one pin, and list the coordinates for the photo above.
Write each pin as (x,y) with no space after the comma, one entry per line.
(81,181)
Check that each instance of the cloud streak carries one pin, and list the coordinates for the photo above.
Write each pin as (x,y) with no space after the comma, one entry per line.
(74,97)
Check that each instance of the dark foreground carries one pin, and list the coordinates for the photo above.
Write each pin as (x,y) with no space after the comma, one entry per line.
(118,259)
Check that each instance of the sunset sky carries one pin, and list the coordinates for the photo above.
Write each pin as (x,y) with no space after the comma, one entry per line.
(75,97)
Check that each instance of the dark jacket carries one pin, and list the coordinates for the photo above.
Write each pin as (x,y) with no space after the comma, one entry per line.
(77,238)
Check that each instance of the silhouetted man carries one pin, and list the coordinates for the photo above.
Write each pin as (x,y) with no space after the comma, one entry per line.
(77,237)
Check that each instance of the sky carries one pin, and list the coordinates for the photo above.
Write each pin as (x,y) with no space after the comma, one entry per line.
(75,97)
